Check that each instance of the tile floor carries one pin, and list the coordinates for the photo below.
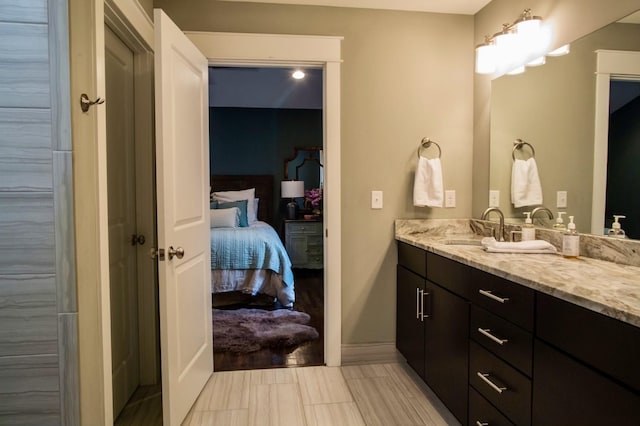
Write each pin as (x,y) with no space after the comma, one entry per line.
(377,394)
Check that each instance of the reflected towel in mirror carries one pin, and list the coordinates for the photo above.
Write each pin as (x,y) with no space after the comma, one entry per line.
(427,186)
(525,183)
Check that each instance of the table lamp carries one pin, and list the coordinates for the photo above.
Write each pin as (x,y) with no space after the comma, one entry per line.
(292,189)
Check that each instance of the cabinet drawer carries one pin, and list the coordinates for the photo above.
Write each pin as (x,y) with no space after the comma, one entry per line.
(304,228)
(452,275)
(605,343)
(503,338)
(412,258)
(482,413)
(503,298)
(567,392)
(502,385)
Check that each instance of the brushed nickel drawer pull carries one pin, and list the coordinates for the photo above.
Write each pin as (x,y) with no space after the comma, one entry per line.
(492,296)
(425,293)
(495,387)
(418,298)
(485,332)
(479,423)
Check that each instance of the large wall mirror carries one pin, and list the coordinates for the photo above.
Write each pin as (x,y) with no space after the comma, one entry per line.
(553,107)
(306,164)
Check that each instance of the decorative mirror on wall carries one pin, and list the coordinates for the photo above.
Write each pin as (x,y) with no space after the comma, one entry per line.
(306,165)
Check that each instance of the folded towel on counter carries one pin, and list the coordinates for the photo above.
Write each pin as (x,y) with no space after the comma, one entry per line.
(427,186)
(535,246)
(525,183)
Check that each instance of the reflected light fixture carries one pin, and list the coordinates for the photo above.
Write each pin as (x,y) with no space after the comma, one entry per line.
(562,50)
(298,74)
(525,42)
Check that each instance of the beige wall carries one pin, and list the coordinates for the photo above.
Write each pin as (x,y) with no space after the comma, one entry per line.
(570,20)
(404,76)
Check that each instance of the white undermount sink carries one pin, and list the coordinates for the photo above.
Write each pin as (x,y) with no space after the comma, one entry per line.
(462,242)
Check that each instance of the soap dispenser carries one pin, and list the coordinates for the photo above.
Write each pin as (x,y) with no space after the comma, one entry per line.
(559,225)
(616,231)
(528,230)
(571,241)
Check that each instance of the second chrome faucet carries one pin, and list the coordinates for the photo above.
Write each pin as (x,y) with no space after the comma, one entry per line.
(486,214)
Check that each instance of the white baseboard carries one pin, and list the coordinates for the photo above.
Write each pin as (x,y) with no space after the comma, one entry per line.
(370,353)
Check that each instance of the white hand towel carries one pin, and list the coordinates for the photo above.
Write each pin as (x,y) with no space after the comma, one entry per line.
(525,183)
(535,246)
(427,186)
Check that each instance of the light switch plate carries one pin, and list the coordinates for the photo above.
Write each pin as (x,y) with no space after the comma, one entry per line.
(494,198)
(561,199)
(376,199)
(450,198)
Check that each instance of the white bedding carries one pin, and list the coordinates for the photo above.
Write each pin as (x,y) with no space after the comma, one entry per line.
(252,281)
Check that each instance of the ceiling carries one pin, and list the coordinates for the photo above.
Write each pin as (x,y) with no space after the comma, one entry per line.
(463,7)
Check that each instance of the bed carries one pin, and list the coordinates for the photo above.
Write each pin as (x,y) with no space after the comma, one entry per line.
(250,260)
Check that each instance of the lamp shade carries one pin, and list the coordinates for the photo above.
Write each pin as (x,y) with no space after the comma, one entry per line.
(292,188)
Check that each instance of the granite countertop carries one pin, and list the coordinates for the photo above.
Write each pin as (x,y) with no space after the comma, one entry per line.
(609,288)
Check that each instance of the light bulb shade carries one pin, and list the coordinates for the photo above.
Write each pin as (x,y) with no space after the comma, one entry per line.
(517,70)
(486,59)
(292,188)
(541,60)
(562,50)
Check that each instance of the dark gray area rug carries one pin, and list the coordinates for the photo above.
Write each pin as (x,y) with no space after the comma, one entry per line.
(249,330)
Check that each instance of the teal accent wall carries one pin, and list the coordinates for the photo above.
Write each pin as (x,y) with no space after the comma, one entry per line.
(256,141)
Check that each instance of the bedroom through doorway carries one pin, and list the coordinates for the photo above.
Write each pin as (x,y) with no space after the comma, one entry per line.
(266,132)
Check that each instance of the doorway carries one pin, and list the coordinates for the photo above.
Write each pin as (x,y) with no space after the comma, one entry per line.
(133,297)
(623,153)
(260,117)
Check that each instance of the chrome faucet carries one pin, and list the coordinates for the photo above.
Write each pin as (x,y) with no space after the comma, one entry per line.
(485,215)
(541,209)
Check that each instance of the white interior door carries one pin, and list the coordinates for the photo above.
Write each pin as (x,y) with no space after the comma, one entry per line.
(121,184)
(182,161)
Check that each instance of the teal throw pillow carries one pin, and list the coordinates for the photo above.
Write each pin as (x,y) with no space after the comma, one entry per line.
(241,205)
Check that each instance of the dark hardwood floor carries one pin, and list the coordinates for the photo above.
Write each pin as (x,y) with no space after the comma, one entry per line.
(310,299)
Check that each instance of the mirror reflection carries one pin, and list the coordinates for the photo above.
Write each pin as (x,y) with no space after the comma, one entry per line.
(552,107)
(306,165)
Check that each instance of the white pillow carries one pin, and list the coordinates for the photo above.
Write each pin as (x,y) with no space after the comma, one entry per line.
(247,194)
(255,206)
(225,218)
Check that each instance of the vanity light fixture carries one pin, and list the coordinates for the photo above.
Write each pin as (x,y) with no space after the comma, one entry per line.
(525,42)
(298,74)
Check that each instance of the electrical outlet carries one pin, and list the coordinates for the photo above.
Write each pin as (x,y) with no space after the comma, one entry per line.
(494,198)
(376,199)
(450,198)
(561,199)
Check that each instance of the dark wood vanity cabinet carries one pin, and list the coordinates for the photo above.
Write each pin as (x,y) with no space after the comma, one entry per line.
(409,324)
(586,367)
(499,353)
(433,323)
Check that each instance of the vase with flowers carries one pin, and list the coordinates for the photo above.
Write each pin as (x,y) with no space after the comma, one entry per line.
(313,201)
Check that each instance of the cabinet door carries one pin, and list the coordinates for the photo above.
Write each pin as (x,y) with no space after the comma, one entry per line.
(447,348)
(566,392)
(409,326)
(297,249)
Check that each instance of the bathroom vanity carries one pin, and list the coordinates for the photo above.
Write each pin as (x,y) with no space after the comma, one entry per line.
(519,338)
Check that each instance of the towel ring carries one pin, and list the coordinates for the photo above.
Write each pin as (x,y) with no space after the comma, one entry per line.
(426,143)
(518,144)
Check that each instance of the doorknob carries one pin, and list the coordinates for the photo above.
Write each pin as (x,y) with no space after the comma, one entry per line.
(178,252)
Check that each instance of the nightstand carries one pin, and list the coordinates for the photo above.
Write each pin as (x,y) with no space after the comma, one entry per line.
(304,243)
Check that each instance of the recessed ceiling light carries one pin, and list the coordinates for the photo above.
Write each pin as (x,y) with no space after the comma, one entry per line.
(298,74)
